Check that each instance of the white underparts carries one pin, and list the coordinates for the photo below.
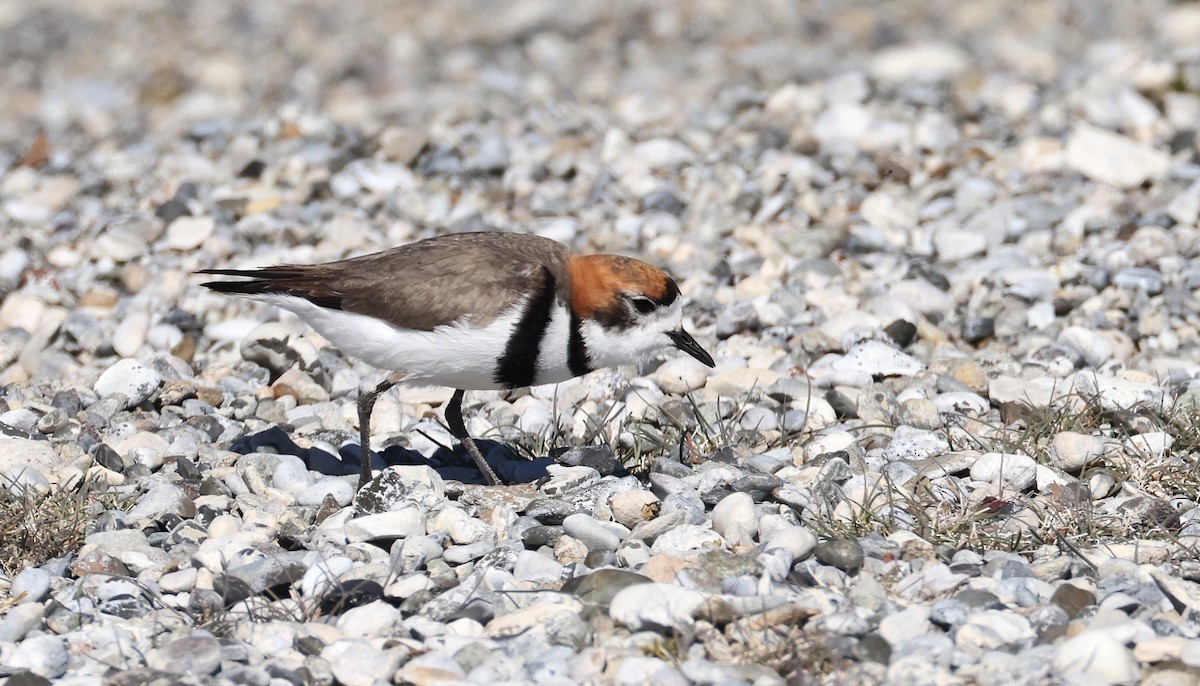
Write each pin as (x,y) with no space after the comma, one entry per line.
(457,355)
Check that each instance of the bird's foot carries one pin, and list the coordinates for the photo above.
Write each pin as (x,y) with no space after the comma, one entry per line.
(488,474)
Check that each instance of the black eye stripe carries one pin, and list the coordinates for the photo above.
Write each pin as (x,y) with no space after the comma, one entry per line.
(644,305)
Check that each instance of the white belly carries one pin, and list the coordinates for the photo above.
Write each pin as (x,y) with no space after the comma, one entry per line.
(456,355)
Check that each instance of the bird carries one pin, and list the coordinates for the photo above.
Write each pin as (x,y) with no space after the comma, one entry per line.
(477,311)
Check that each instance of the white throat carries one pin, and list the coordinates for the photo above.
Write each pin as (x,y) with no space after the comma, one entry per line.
(616,347)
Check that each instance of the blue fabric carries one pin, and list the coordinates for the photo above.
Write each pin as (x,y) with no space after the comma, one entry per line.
(454,464)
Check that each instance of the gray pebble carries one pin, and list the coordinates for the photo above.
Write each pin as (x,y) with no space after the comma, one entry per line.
(846,555)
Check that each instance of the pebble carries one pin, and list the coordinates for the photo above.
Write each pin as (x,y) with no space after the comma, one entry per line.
(44,655)
(401,523)
(916,269)
(189,233)
(131,379)
(1113,159)
(23,460)
(1009,470)
(630,508)
(846,555)
(130,334)
(1098,656)
(198,654)
(655,606)
(593,534)
(736,520)
(1071,451)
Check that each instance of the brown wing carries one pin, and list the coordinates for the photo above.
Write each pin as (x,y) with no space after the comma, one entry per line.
(421,285)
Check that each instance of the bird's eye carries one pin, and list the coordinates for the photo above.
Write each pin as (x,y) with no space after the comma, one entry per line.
(644,305)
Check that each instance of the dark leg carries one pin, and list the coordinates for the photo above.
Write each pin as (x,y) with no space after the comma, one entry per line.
(458,429)
(366,402)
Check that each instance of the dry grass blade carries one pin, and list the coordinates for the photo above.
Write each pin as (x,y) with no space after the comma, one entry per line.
(38,526)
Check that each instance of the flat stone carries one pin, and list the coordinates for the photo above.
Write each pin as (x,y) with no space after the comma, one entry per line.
(198,654)
(1098,656)
(131,378)
(656,607)
(1114,159)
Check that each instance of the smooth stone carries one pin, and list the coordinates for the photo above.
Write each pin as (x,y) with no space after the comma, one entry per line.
(198,654)
(372,619)
(459,526)
(759,419)
(593,534)
(919,62)
(1098,656)
(686,539)
(638,670)
(844,554)
(975,330)
(402,523)
(131,378)
(395,485)
(20,620)
(796,539)
(430,669)
(130,334)
(656,607)
(877,359)
(598,457)
(732,382)
(30,586)
(43,655)
(1151,445)
(994,630)
(1118,395)
(178,581)
(909,443)
(1071,451)
(1139,279)
(340,490)
(681,375)
(919,413)
(953,244)
(352,593)
(536,568)
(189,233)
(961,402)
(735,318)
(1114,159)
(901,626)
(161,501)
(281,569)
(355,662)
(462,554)
(291,475)
(19,456)
(20,418)
(1011,470)
(602,585)
(735,518)
(630,508)
(537,536)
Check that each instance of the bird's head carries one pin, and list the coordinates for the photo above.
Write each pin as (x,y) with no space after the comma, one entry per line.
(628,310)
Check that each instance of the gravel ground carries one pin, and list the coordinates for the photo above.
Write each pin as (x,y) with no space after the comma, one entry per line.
(945,254)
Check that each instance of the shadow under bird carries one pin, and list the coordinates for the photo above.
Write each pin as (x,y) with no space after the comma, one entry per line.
(477,311)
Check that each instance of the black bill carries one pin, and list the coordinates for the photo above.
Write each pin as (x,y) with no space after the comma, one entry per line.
(684,341)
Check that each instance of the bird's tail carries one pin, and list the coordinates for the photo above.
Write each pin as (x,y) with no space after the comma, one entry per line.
(285,279)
